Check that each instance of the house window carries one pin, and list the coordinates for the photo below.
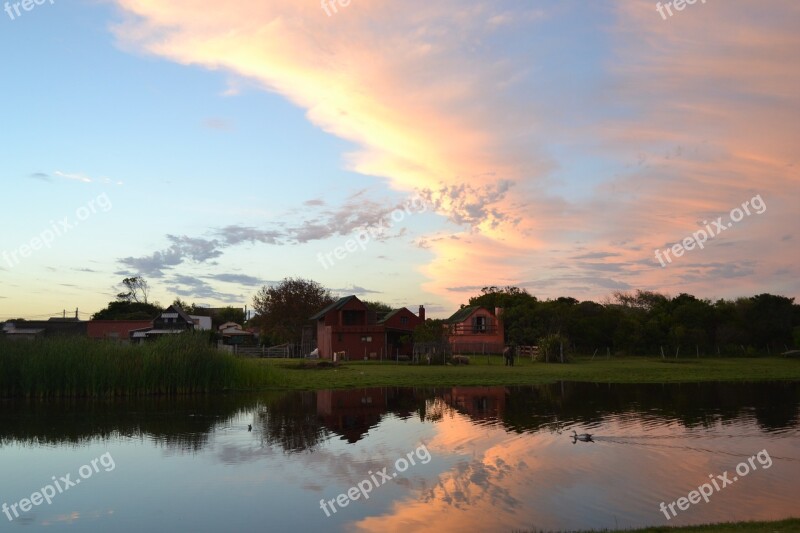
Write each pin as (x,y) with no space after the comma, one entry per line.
(479,324)
(350,318)
(366,339)
(339,337)
(404,320)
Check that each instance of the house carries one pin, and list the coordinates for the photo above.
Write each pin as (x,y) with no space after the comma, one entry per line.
(54,327)
(172,321)
(348,326)
(476,329)
(116,330)
(201,323)
(233,334)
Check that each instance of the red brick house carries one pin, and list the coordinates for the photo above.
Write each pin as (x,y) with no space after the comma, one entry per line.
(348,326)
(119,330)
(476,329)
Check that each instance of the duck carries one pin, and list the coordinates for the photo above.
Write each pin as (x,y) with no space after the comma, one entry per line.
(583,437)
(249,427)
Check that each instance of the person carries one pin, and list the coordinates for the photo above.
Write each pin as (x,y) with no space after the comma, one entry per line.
(508,356)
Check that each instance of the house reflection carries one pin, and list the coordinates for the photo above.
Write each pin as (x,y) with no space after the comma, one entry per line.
(352,413)
(479,403)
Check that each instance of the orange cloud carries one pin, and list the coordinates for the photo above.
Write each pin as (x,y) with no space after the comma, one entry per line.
(687,118)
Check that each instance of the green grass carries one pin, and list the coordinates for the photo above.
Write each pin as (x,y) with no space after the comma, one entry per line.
(479,372)
(64,368)
(186,364)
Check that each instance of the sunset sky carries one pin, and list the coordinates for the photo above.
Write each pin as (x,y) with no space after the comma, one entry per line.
(214,147)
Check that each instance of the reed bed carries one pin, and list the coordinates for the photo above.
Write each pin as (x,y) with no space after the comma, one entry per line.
(78,367)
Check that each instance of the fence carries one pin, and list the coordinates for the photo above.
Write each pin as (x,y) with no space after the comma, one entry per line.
(288,350)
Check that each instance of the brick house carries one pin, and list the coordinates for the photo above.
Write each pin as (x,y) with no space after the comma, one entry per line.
(347,325)
(118,330)
(476,329)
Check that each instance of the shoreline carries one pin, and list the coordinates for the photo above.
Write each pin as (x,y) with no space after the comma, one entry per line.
(357,374)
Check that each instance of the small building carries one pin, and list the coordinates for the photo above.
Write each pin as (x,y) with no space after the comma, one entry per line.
(476,329)
(201,323)
(54,327)
(348,326)
(233,334)
(116,330)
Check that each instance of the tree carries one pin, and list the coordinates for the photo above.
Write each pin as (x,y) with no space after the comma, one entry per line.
(137,290)
(285,308)
(379,307)
(230,314)
(186,306)
(518,310)
(121,310)
(432,330)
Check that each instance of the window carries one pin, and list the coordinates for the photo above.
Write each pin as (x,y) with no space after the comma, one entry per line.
(479,324)
(366,339)
(350,318)
(404,320)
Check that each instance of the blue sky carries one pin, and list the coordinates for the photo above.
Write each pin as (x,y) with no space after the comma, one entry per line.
(234,145)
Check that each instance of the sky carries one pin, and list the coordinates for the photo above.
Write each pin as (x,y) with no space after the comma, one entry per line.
(409,152)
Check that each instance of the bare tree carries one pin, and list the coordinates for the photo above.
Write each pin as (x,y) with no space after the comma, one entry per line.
(137,290)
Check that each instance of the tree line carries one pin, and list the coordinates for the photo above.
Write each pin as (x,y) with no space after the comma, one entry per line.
(635,323)
(649,323)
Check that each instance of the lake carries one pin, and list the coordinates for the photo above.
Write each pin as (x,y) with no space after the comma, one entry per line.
(394,459)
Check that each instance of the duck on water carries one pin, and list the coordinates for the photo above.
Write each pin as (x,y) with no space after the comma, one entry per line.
(583,437)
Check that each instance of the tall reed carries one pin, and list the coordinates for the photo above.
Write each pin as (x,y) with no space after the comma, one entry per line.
(79,367)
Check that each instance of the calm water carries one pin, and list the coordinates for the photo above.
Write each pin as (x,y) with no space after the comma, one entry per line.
(472,458)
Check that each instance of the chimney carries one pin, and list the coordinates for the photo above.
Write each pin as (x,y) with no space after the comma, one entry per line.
(422,313)
(498,311)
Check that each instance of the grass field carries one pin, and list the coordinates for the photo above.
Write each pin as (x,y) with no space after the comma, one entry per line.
(288,374)
(188,365)
(782,526)
(78,367)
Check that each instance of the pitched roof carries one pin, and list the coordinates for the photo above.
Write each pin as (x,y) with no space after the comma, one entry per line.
(462,314)
(338,304)
(389,315)
(181,313)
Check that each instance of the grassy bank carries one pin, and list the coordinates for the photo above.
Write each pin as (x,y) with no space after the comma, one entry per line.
(188,365)
(83,367)
(781,526)
(289,375)
(792,524)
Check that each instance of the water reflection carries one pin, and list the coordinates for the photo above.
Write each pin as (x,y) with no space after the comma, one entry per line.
(300,421)
(502,456)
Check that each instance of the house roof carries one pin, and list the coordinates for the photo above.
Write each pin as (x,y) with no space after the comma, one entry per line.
(462,314)
(338,304)
(390,314)
(180,312)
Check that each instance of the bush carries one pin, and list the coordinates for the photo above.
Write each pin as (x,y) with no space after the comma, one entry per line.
(551,346)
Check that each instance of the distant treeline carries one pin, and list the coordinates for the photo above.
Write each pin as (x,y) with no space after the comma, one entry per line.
(644,323)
